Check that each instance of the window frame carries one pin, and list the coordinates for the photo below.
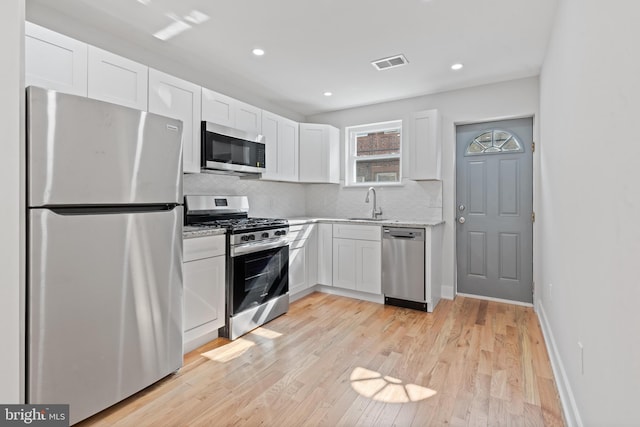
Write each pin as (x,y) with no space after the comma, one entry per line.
(351,158)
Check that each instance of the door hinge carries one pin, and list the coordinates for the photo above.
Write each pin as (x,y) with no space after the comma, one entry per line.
(533,147)
(533,217)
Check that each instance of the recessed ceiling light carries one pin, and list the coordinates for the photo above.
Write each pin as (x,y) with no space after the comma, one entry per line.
(258,52)
(328,93)
(457,66)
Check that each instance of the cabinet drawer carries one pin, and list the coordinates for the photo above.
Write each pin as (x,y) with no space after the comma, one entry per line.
(203,247)
(300,232)
(357,232)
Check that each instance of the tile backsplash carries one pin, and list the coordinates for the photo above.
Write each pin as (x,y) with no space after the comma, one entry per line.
(266,198)
(414,200)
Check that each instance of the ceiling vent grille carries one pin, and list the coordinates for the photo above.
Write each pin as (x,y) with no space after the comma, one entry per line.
(390,62)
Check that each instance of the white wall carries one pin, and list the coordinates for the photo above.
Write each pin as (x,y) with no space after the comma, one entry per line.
(517,98)
(12,211)
(588,225)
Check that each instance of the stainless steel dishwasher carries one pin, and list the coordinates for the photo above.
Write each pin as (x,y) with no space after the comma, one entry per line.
(403,267)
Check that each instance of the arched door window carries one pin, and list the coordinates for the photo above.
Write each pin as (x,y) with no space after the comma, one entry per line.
(494,142)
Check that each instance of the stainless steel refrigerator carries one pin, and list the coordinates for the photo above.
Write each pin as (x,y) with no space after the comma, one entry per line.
(104,294)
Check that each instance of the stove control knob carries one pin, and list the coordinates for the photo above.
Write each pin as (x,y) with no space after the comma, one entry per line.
(278,233)
(252,237)
(265,235)
(244,238)
(283,232)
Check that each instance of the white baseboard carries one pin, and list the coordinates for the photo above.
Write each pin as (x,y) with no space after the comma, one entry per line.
(567,399)
(447,292)
(350,293)
(301,294)
(191,344)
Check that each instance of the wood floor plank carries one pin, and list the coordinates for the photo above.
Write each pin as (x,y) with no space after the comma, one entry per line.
(339,361)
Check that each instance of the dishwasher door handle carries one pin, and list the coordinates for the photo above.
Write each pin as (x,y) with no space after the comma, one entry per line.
(402,234)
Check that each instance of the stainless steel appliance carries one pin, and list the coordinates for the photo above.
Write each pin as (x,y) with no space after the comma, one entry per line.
(403,267)
(104,293)
(232,150)
(257,273)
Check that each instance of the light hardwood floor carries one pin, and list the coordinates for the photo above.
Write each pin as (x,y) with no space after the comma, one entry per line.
(334,361)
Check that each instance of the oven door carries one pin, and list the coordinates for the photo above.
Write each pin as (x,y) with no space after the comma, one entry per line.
(257,277)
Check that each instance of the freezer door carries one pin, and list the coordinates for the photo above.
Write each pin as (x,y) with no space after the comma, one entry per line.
(105,306)
(87,152)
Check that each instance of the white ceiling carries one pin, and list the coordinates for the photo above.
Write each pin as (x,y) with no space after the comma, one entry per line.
(313,46)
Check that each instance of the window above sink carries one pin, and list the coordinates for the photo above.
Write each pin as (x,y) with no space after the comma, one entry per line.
(374,154)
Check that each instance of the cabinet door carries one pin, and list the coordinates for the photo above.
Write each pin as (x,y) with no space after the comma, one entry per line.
(113,78)
(313,153)
(218,108)
(319,153)
(297,267)
(281,140)
(368,266)
(179,99)
(325,254)
(344,263)
(270,133)
(248,118)
(54,61)
(425,146)
(288,150)
(204,295)
(311,245)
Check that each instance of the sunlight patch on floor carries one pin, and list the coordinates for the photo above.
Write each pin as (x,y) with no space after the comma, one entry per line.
(229,351)
(384,388)
(266,333)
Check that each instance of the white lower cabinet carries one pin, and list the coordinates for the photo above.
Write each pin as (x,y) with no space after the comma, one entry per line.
(204,289)
(325,254)
(303,257)
(357,262)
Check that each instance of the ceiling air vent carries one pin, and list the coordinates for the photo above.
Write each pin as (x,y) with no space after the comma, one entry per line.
(390,62)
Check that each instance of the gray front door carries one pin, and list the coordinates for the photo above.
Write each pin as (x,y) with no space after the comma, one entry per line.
(494,194)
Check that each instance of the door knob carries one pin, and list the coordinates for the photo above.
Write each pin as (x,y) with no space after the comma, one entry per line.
(461,207)
(461,220)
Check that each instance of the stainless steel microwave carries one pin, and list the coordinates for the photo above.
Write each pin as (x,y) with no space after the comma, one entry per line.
(231,150)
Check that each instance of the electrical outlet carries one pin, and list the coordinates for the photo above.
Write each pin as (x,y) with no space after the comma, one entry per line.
(581,357)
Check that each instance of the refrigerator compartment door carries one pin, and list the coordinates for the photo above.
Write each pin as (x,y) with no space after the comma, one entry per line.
(88,152)
(105,306)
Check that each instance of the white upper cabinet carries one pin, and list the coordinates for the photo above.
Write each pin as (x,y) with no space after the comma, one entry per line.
(319,153)
(179,99)
(54,61)
(248,118)
(281,139)
(425,146)
(115,79)
(226,111)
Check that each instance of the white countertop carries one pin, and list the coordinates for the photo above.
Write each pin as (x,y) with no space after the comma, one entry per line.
(189,232)
(386,222)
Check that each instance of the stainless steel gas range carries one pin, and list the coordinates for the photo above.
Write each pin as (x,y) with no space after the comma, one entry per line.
(257,273)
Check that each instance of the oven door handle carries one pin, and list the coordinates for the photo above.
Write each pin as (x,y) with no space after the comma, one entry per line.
(257,247)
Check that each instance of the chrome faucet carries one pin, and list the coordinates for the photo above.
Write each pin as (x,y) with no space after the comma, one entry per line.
(376,210)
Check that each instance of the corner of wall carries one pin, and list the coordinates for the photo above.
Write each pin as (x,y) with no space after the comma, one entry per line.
(567,399)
